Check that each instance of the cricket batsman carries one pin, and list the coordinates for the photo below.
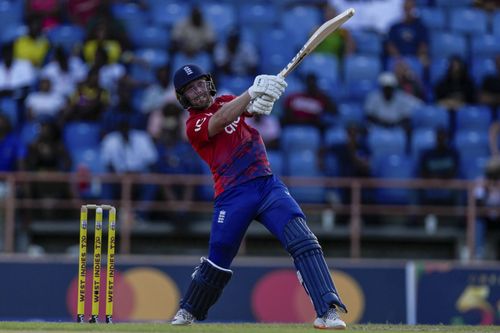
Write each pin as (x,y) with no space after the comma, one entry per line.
(246,190)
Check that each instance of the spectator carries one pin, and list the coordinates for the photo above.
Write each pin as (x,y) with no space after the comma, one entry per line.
(45,102)
(9,145)
(439,162)
(110,73)
(193,34)
(408,80)
(157,95)
(64,72)
(389,106)
(16,75)
(115,29)
(48,153)
(490,6)
(124,109)
(235,56)
(408,37)
(129,151)
(34,46)
(269,128)
(456,88)
(340,42)
(102,39)
(89,101)
(50,11)
(490,88)
(166,117)
(176,157)
(310,106)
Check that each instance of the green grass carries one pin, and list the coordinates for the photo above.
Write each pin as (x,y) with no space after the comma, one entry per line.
(230,328)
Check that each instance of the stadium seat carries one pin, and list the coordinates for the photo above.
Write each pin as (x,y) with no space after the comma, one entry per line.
(276,51)
(496,24)
(472,143)
(324,66)
(358,90)
(151,37)
(434,18)
(454,3)
(422,139)
(473,117)
(487,45)
(468,21)
(89,157)
(168,13)
(9,15)
(154,57)
(305,164)
(395,166)
(67,36)
(29,132)
(300,137)
(276,159)
(383,142)
(437,69)
(81,135)
(10,33)
(295,84)
(132,17)
(361,67)
(258,16)
(472,167)
(9,108)
(430,116)
(446,44)
(234,84)
(351,113)
(299,23)
(335,135)
(222,16)
(367,42)
(481,67)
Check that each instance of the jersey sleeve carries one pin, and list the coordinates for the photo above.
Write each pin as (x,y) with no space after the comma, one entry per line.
(197,128)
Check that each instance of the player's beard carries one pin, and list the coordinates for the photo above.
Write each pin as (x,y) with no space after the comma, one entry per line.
(202,101)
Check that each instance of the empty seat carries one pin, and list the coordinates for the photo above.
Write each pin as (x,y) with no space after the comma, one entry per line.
(29,132)
(169,13)
(496,23)
(481,67)
(259,16)
(395,166)
(360,68)
(324,66)
(351,113)
(430,116)
(151,37)
(67,36)
(433,18)
(305,164)
(384,142)
(277,161)
(367,42)
(335,135)
(234,84)
(154,58)
(468,20)
(454,3)
(472,143)
(438,69)
(81,135)
(446,44)
(422,139)
(472,167)
(88,157)
(412,62)
(473,117)
(8,107)
(276,51)
(222,16)
(485,45)
(299,23)
(300,137)
(203,60)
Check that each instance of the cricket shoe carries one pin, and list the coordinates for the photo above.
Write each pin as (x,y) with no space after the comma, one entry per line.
(183,317)
(330,321)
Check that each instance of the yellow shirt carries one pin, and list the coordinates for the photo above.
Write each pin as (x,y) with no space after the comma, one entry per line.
(33,50)
(112,47)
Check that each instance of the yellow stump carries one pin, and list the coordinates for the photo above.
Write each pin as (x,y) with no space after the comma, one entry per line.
(110,280)
(96,284)
(82,265)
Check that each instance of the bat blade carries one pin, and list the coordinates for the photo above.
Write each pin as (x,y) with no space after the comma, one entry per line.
(317,37)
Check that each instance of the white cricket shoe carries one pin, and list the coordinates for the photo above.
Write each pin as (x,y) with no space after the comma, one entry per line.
(183,317)
(330,321)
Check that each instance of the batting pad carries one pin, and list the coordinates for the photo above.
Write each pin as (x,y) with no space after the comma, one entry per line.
(205,288)
(312,270)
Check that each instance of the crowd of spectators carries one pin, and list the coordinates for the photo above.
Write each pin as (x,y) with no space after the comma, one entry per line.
(369,92)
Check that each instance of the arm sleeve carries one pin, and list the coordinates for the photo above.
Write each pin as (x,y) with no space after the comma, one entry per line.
(197,129)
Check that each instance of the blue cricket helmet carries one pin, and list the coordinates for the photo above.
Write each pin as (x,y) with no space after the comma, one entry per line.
(187,74)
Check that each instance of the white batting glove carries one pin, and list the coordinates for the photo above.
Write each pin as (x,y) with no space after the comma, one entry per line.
(271,85)
(261,105)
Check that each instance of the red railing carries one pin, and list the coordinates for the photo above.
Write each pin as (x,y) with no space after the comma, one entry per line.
(355,209)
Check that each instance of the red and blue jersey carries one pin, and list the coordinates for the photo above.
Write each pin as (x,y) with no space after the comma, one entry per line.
(235,155)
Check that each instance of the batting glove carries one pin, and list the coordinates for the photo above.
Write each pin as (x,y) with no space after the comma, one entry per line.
(271,85)
(261,105)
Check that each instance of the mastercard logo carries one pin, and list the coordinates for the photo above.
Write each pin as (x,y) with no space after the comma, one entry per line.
(140,294)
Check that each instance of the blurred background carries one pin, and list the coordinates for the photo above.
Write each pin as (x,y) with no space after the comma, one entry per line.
(387,136)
